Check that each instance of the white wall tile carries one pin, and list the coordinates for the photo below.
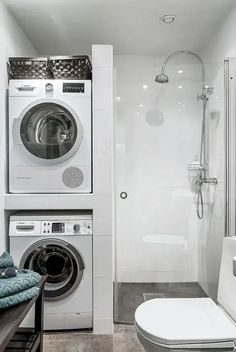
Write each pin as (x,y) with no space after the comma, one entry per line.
(102,56)
(103,99)
(103,76)
(102,258)
(212,228)
(102,60)
(157,133)
(103,127)
(103,326)
(103,300)
(103,173)
(103,216)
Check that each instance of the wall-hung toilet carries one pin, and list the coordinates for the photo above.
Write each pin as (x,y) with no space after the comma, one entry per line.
(193,324)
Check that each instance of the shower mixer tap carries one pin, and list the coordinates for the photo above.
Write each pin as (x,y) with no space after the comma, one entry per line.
(206,91)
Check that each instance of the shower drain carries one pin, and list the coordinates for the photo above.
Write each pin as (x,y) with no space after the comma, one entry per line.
(148,296)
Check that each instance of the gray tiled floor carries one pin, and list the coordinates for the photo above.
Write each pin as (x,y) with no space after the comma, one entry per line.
(131,295)
(123,340)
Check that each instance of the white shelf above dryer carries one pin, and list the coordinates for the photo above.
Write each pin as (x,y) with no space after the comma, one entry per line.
(48,201)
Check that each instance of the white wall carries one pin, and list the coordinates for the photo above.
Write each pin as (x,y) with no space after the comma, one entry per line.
(154,145)
(102,61)
(13,42)
(222,44)
(211,230)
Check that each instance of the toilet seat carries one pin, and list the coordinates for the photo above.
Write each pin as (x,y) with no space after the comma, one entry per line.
(184,323)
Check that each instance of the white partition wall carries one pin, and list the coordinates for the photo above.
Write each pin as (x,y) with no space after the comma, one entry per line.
(102,62)
(13,43)
(100,201)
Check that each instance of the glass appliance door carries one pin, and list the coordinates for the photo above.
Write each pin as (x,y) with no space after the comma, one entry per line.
(60,262)
(49,131)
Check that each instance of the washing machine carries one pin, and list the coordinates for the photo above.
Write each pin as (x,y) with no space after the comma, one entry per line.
(58,245)
(50,136)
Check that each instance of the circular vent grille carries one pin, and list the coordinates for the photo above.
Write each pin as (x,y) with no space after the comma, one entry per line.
(73,177)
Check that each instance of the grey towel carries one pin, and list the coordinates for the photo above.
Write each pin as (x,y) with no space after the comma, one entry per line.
(24,280)
(19,297)
(6,261)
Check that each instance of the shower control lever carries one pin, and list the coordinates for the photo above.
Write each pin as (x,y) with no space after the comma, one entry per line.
(211,180)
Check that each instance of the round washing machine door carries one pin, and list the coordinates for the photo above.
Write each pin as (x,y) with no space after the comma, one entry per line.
(60,262)
(50,130)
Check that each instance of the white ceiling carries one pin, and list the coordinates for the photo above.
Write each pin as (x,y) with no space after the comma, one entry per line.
(132,26)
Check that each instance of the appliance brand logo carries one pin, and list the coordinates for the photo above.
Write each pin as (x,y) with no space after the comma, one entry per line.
(24,178)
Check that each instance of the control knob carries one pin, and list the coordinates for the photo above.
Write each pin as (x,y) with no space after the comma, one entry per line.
(76,227)
(49,87)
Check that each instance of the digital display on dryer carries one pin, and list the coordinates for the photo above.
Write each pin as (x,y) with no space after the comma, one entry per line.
(73,87)
(58,227)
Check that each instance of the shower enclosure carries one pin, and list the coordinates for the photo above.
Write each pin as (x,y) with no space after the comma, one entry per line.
(159,239)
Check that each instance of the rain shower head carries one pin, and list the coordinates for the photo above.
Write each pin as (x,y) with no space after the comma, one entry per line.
(162,78)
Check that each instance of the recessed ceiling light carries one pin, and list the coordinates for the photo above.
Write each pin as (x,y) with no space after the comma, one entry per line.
(141,105)
(180,87)
(145,86)
(168,19)
(180,71)
(138,113)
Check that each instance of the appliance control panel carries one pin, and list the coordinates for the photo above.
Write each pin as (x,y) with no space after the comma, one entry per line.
(51,227)
(71,87)
(80,227)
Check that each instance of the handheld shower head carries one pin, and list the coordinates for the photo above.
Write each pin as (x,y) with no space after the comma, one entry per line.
(162,78)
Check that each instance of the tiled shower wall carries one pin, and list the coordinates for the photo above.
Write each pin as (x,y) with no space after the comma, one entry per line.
(212,230)
(157,136)
(13,42)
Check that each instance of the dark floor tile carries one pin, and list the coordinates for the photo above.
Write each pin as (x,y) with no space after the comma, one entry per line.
(130,295)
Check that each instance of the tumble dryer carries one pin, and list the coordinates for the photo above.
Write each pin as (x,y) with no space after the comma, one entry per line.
(50,136)
(58,245)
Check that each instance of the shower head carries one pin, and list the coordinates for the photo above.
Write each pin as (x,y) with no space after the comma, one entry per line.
(162,78)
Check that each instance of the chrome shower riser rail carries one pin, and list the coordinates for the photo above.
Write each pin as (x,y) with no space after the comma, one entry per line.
(202,172)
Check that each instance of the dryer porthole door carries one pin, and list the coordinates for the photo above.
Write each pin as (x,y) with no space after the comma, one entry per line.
(50,131)
(60,262)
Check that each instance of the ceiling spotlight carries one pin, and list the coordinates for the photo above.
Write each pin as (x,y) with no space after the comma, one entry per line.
(145,86)
(168,19)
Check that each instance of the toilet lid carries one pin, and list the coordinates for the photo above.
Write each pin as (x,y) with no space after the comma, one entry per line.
(184,320)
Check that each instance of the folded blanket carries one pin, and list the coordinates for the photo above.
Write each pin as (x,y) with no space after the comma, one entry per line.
(24,280)
(18,297)
(6,260)
(8,272)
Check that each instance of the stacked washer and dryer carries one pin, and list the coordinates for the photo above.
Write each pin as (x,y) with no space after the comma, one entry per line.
(50,136)
(50,151)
